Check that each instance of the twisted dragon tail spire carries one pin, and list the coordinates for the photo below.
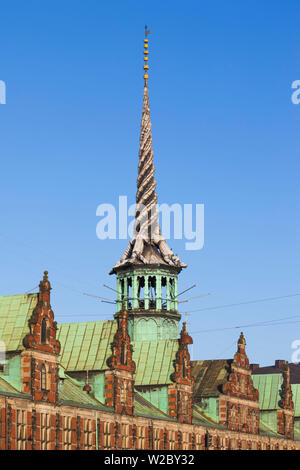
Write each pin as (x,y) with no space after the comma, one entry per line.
(146,198)
(147,245)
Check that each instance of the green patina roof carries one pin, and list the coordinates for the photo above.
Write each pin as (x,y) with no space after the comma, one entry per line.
(72,392)
(15,311)
(87,346)
(154,361)
(267,431)
(143,407)
(7,387)
(296,398)
(209,376)
(201,418)
(269,386)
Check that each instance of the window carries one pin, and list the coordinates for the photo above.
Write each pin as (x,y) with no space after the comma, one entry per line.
(172,439)
(185,440)
(43,377)
(164,293)
(198,442)
(152,292)
(45,432)
(129,293)
(123,392)
(141,437)
(156,439)
(185,404)
(88,434)
(172,294)
(67,433)
(106,435)
(184,368)
(141,291)
(125,436)
(21,429)
(44,331)
(123,353)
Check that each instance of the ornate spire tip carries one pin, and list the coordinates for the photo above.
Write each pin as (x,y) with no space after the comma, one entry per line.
(146,52)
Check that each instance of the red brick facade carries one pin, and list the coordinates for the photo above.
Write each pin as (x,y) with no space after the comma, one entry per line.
(39,422)
(46,427)
(39,360)
(238,407)
(285,417)
(119,383)
(181,393)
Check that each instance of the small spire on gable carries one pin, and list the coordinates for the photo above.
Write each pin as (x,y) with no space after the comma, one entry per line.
(122,350)
(241,343)
(45,285)
(286,401)
(185,338)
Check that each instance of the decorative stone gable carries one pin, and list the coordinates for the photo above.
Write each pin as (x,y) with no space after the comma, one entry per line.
(285,416)
(39,360)
(181,392)
(286,401)
(119,382)
(238,406)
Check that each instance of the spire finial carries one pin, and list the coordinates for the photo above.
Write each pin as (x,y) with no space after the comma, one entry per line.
(146,52)
(45,284)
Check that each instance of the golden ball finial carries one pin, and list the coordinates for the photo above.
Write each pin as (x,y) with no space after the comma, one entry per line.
(146,52)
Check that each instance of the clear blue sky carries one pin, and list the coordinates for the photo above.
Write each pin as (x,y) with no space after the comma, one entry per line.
(225,134)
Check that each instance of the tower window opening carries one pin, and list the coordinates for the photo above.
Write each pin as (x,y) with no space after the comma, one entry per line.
(164,293)
(141,291)
(152,292)
(172,293)
(122,289)
(129,293)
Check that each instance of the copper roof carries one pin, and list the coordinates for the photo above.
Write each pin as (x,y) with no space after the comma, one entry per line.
(209,377)
(15,311)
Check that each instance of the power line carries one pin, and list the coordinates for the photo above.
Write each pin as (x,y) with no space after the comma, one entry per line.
(245,303)
(274,322)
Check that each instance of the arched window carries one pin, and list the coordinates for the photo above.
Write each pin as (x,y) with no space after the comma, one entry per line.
(44,331)
(152,292)
(141,291)
(43,377)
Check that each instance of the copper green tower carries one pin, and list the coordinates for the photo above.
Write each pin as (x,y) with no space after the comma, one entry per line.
(148,270)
